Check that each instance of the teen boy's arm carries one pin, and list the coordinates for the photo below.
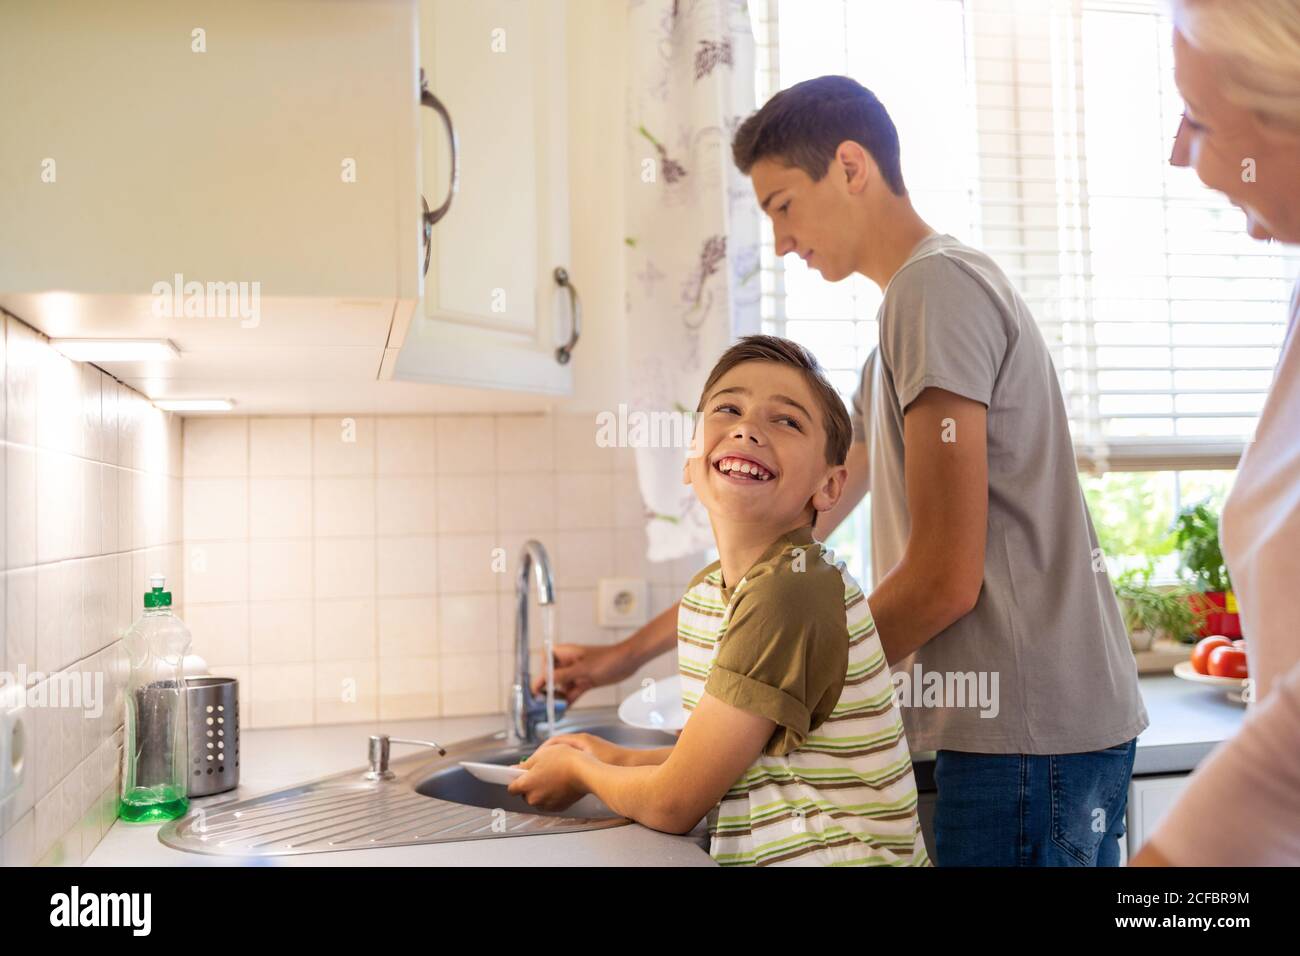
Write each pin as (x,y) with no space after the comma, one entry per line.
(580,667)
(938,579)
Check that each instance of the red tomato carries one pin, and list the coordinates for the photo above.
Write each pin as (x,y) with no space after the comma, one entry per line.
(1227,662)
(1201,653)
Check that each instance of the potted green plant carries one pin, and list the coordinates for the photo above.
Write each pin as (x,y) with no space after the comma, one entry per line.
(1151,612)
(1196,535)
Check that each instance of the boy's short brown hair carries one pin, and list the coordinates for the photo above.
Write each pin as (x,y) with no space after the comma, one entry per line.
(773,348)
(804,125)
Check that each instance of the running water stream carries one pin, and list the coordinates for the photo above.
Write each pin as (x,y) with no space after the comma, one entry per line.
(548,648)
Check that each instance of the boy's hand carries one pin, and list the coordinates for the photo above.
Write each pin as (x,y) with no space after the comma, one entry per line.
(598,747)
(552,780)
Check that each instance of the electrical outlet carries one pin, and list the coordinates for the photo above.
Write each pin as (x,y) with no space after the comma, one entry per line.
(622,602)
(13,738)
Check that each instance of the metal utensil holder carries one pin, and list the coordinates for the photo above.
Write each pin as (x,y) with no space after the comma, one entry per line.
(213,704)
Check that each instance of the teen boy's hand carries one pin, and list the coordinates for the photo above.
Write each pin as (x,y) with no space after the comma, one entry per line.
(580,667)
(552,781)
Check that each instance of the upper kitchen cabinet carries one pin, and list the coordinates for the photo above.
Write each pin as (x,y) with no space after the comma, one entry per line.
(199,157)
(495,312)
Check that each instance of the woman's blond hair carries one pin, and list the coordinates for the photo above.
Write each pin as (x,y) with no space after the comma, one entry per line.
(1259,42)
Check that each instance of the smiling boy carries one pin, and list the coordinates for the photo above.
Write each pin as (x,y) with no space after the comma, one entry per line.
(794,748)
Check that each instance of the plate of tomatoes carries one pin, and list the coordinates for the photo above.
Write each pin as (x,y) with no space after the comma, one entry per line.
(1219,662)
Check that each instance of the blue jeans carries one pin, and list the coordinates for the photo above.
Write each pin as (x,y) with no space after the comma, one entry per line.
(1031,810)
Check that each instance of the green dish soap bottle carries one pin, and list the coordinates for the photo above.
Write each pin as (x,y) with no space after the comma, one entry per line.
(156,751)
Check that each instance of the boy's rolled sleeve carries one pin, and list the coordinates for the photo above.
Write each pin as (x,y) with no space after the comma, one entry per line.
(753,695)
(784,655)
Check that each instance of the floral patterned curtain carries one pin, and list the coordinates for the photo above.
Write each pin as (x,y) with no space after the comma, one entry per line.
(692,232)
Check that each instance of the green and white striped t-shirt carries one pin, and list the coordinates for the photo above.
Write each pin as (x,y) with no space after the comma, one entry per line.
(794,642)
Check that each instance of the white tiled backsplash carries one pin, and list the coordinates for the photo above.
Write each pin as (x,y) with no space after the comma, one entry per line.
(92,487)
(342,567)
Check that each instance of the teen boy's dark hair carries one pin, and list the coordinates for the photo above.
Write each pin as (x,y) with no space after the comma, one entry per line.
(771,348)
(803,125)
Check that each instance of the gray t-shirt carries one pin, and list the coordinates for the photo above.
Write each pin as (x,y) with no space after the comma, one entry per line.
(1046,621)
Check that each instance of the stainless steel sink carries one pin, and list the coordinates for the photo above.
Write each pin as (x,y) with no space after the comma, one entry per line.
(428,800)
(455,784)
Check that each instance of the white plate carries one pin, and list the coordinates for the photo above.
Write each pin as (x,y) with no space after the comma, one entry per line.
(590,807)
(492,772)
(662,711)
(1235,686)
(1186,671)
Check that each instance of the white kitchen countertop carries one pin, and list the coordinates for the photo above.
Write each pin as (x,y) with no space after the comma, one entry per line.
(272,759)
(1187,721)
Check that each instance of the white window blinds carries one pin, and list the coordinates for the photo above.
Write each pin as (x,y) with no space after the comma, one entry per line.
(1039,131)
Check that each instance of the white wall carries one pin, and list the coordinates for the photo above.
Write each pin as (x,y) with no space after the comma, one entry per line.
(92,488)
(343,568)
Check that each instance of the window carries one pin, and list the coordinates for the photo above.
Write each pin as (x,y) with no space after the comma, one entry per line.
(1039,131)
(1134,513)
(869,40)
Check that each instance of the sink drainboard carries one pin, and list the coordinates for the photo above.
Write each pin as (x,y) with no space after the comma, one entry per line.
(347,812)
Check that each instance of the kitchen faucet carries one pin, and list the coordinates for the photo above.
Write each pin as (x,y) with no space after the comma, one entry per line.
(526,710)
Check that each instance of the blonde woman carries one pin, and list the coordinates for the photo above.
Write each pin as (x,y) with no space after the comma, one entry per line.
(1237,64)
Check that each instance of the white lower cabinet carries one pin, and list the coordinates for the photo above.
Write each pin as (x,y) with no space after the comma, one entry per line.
(1149,799)
(925,801)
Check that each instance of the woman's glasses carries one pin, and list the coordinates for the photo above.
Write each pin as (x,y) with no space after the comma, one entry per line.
(1181,154)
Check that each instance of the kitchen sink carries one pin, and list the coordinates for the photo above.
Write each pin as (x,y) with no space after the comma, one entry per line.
(455,784)
(427,800)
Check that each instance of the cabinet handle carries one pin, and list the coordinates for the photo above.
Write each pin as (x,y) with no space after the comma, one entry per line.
(427,230)
(431,217)
(565,351)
